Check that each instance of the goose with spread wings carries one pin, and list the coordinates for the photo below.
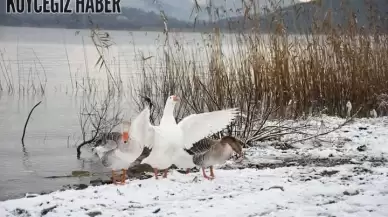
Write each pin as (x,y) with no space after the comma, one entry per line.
(169,139)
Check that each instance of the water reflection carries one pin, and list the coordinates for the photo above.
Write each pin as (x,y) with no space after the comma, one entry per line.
(26,156)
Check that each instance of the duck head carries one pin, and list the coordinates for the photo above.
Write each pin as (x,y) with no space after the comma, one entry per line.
(234,143)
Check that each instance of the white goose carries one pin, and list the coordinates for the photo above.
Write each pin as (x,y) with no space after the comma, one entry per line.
(126,151)
(169,139)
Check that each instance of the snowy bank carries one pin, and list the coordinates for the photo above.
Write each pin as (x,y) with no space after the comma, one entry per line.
(347,190)
(360,138)
(342,173)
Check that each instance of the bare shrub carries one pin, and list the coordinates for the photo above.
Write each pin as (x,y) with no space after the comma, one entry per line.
(98,116)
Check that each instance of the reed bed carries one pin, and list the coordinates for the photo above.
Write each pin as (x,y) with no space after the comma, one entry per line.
(33,81)
(275,75)
(311,72)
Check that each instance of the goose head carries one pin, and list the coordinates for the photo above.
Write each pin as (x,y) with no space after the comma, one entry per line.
(234,143)
(173,99)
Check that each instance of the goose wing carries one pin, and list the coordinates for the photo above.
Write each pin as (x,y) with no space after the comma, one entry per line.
(198,126)
(141,130)
(201,146)
(101,150)
(108,153)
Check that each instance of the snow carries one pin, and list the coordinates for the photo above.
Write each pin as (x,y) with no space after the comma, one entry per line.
(352,189)
(371,132)
(244,192)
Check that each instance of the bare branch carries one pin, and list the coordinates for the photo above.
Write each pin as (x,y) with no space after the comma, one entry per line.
(28,118)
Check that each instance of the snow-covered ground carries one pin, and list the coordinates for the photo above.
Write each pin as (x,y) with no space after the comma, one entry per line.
(295,191)
(357,188)
(368,134)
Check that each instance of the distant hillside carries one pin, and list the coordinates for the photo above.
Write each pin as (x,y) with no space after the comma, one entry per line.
(181,9)
(130,18)
(178,9)
(299,18)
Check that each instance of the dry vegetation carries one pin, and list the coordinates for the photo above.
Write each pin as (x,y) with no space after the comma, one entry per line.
(32,82)
(274,75)
(99,115)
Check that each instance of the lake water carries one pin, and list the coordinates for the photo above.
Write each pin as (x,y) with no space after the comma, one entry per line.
(56,58)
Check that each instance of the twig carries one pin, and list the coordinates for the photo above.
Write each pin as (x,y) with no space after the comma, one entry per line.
(327,132)
(85,143)
(28,118)
(97,117)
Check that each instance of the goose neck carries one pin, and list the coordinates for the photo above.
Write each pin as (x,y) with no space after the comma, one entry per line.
(168,114)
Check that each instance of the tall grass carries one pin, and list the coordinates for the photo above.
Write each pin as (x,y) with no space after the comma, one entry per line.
(290,75)
(35,82)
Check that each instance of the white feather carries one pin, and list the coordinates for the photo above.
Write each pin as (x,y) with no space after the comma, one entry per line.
(102,149)
(198,126)
(141,130)
(124,154)
(169,138)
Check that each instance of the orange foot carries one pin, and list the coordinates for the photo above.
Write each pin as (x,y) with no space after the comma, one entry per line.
(119,180)
(212,172)
(204,175)
(165,173)
(156,173)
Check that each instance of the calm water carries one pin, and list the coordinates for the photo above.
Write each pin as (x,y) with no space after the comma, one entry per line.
(30,56)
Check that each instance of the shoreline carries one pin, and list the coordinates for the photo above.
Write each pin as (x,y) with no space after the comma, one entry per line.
(305,190)
(283,163)
(356,150)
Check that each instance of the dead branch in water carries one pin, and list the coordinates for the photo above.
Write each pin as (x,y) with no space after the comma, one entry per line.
(28,118)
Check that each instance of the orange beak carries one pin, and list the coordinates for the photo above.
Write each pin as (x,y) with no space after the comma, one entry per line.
(125,131)
(175,98)
(125,136)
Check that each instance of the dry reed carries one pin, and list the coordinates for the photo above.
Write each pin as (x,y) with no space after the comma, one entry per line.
(274,75)
(313,71)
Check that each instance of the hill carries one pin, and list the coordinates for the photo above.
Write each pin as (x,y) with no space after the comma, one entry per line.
(301,17)
(182,9)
